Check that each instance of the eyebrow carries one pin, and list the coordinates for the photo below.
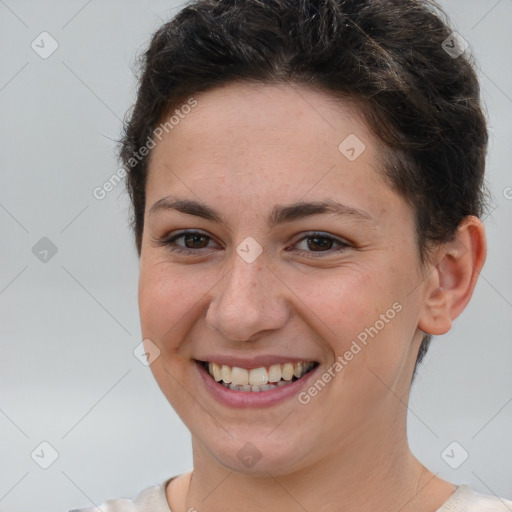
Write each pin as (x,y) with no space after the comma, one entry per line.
(279,215)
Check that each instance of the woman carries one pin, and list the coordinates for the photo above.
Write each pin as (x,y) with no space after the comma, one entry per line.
(307,181)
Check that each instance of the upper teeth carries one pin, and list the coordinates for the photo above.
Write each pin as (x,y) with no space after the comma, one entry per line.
(258,376)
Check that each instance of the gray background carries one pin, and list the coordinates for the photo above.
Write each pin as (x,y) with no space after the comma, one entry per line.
(68,326)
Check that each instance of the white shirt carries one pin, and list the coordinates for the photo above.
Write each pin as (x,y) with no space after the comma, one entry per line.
(153,499)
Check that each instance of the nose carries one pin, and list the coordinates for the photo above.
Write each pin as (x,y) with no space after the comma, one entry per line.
(248,300)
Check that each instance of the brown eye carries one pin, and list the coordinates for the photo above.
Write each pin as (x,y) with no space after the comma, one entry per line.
(195,240)
(319,243)
(187,242)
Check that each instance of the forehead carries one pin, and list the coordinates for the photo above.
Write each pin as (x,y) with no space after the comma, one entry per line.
(266,114)
(281,140)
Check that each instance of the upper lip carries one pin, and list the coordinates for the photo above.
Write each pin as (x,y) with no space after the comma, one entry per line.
(261,361)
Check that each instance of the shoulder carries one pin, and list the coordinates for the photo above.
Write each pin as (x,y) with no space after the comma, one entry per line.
(465,499)
(151,499)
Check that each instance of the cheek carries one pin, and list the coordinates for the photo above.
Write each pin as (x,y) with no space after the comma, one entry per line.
(344,301)
(361,313)
(168,300)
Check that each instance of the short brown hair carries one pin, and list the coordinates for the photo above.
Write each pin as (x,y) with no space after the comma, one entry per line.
(421,102)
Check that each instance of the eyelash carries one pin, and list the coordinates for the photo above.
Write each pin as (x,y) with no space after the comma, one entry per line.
(169,243)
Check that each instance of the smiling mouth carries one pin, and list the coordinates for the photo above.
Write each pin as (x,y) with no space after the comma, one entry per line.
(258,379)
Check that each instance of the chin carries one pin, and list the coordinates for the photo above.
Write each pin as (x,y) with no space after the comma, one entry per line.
(256,455)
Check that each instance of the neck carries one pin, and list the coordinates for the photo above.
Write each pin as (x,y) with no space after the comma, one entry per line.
(373,468)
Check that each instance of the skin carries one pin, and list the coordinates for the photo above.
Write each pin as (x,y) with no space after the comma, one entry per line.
(243,150)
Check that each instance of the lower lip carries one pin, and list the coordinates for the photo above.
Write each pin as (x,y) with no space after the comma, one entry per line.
(233,398)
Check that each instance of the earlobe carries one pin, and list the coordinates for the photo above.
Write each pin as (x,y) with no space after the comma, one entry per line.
(456,267)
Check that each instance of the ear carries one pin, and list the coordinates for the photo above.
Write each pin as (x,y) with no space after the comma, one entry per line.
(456,267)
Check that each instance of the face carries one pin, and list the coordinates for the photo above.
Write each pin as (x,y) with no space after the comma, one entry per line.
(276,258)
